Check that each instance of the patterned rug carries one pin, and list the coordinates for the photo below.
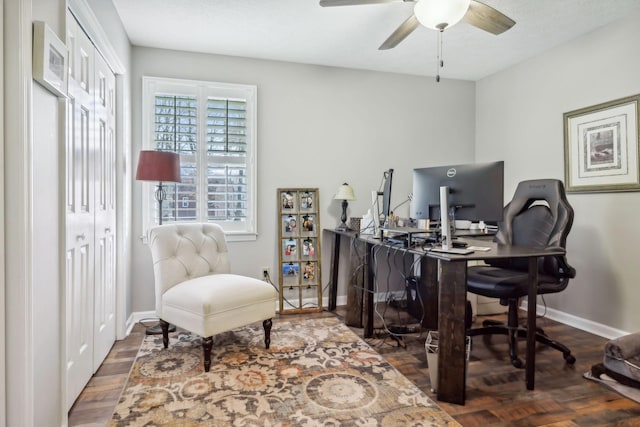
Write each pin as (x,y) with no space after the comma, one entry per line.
(316,373)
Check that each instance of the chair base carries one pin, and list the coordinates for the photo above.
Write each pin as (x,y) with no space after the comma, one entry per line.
(207,342)
(492,327)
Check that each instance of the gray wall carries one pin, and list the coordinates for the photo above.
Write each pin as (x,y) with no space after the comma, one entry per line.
(519,118)
(318,127)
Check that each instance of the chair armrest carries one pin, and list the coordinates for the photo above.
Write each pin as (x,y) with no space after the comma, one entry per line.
(566,271)
(562,268)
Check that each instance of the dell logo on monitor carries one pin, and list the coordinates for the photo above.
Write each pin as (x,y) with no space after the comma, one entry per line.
(451,172)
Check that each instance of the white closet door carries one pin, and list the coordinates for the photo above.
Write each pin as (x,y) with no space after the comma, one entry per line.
(80,184)
(105,212)
(91,211)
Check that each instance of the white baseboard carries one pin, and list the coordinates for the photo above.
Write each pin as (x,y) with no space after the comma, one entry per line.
(137,316)
(553,314)
(576,322)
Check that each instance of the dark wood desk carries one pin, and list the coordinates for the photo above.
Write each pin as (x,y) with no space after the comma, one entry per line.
(445,305)
(352,320)
(452,294)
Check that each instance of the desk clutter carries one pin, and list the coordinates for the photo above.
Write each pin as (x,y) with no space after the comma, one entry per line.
(431,240)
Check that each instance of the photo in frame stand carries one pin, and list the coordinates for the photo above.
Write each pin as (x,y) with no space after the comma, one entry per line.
(299,273)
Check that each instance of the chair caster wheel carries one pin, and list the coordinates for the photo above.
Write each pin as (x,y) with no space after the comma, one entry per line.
(569,358)
(517,363)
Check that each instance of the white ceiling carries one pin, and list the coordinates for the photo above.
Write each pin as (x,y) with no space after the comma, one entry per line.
(349,36)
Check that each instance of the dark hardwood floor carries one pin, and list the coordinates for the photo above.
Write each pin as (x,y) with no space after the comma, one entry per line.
(496,393)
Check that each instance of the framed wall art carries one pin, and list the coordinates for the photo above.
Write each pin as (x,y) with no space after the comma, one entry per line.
(601,147)
(299,251)
(49,61)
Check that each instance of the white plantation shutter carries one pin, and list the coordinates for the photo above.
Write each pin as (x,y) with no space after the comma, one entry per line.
(226,160)
(212,127)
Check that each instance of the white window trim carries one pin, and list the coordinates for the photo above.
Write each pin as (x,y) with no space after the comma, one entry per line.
(152,85)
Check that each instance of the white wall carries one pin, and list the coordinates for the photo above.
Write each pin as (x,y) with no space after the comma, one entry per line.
(318,127)
(47,305)
(519,117)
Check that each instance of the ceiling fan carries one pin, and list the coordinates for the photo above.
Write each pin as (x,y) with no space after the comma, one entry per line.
(438,15)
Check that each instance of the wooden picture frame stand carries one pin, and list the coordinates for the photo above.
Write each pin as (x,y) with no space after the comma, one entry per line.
(300,282)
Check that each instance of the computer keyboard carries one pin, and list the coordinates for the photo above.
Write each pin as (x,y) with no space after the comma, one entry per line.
(457,251)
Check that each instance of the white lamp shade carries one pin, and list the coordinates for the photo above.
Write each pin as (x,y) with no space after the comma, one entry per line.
(440,14)
(345,192)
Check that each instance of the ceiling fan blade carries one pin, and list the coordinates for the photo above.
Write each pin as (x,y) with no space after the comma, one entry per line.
(487,18)
(330,3)
(400,33)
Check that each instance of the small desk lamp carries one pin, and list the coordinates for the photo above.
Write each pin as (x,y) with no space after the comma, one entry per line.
(345,193)
(158,166)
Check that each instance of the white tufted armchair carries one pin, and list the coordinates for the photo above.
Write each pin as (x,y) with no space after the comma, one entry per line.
(194,289)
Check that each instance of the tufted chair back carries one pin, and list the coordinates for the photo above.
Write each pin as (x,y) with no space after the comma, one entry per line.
(185,251)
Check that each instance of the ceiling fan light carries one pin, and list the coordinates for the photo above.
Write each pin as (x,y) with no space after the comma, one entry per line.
(440,14)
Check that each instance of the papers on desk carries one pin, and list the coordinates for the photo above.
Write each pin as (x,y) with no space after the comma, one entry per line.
(460,251)
(479,248)
(457,251)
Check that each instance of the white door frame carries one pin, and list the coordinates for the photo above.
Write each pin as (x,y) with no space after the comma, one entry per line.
(3,378)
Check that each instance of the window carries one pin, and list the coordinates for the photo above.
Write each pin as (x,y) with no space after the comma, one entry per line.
(212,127)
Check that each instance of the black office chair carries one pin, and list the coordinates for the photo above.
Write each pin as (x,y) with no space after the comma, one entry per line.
(538,215)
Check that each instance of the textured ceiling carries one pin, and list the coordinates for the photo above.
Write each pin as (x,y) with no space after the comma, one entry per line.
(349,36)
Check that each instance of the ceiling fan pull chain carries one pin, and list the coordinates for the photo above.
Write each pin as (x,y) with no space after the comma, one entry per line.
(439,49)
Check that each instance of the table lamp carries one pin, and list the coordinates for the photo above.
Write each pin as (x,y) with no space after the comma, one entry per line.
(161,166)
(345,193)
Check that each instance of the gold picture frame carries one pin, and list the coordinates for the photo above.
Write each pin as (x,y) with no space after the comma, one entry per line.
(601,147)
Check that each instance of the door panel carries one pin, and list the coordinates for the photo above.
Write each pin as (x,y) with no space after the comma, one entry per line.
(79,217)
(105,212)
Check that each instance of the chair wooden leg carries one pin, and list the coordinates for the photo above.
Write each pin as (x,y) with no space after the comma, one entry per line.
(165,332)
(267,332)
(207,344)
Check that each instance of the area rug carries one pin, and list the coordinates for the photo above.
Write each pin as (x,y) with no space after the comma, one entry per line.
(316,373)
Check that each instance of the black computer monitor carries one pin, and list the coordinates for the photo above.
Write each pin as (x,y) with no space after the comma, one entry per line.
(386,196)
(476,191)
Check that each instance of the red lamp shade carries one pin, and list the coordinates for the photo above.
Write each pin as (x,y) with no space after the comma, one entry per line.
(163,166)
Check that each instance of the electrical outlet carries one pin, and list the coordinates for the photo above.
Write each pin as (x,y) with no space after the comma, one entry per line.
(266,274)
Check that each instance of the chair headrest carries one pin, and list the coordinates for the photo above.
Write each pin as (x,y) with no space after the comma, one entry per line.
(549,191)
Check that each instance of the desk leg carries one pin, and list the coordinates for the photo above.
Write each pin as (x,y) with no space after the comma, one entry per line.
(452,331)
(531,323)
(335,263)
(356,284)
(429,282)
(368,292)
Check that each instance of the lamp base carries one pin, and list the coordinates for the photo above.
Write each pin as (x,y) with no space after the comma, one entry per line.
(157,329)
(343,227)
